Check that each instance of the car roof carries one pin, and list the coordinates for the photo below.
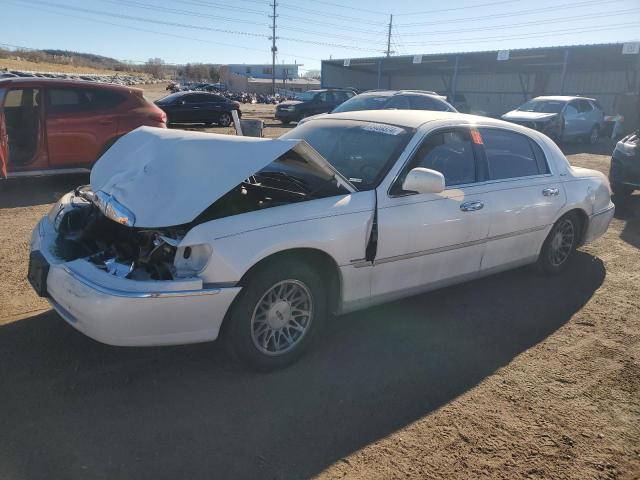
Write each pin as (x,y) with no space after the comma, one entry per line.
(411,118)
(61,82)
(563,98)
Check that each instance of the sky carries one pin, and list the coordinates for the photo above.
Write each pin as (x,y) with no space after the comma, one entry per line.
(238,31)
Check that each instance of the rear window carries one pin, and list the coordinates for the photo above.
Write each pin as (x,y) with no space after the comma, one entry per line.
(363,102)
(510,154)
(422,102)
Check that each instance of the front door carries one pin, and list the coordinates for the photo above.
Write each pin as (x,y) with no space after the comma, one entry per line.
(572,122)
(77,128)
(427,240)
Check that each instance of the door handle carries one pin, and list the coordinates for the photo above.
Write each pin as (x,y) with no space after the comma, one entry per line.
(551,192)
(471,206)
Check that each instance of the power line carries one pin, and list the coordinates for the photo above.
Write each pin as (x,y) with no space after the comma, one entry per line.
(513,14)
(202,28)
(274,49)
(329,14)
(523,24)
(466,7)
(357,9)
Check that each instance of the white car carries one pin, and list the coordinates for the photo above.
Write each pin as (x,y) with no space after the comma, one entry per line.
(183,237)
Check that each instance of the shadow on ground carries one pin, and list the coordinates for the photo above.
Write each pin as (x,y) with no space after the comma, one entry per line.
(604,146)
(75,408)
(628,209)
(26,192)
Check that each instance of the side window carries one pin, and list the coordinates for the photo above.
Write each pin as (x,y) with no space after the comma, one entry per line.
(398,101)
(571,110)
(584,106)
(63,100)
(341,96)
(543,166)
(193,98)
(449,152)
(103,99)
(509,154)
(328,97)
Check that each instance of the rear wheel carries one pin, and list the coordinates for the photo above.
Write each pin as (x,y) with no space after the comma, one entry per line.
(277,315)
(224,120)
(560,245)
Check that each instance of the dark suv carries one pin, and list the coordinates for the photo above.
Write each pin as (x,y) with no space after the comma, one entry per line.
(310,103)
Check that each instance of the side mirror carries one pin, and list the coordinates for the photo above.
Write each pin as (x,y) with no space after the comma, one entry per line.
(423,180)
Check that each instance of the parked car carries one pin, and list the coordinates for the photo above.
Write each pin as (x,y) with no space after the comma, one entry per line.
(311,102)
(561,117)
(460,103)
(400,99)
(624,173)
(63,126)
(185,236)
(198,107)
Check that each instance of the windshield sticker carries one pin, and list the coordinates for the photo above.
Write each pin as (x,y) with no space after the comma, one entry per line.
(385,129)
(476,137)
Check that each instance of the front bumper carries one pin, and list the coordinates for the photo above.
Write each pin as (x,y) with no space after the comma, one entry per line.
(119,311)
(287,116)
(598,224)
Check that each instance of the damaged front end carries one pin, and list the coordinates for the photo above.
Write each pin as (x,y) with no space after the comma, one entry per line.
(94,227)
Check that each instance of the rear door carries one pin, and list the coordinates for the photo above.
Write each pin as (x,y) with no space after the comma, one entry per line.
(80,122)
(524,195)
(4,141)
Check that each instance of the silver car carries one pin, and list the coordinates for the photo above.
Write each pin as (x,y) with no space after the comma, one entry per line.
(561,117)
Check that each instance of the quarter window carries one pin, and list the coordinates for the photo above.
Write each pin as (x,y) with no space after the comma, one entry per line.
(63,100)
(509,154)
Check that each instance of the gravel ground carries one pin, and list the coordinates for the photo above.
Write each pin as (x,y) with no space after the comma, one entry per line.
(512,376)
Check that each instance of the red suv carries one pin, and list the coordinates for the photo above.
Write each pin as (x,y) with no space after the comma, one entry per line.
(52,126)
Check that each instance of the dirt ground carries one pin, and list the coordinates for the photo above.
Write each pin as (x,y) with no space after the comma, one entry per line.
(513,376)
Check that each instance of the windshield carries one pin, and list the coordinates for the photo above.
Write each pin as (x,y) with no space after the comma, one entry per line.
(363,152)
(306,96)
(362,102)
(542,106)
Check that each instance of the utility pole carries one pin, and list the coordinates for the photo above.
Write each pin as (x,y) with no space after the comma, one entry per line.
(388,35)
(274,49)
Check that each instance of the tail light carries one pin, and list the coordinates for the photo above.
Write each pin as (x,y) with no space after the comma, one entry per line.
(158,116)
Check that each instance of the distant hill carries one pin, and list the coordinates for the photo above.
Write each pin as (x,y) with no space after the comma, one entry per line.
(69,58)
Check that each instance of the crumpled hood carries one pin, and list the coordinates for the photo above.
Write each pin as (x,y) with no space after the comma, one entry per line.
(168,177)
(528,116)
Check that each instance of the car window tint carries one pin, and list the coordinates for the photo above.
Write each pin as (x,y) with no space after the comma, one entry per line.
(61,99)
(543,166)
(103,99)
(571,110)
(26,98)
(509,154)
(421,102)
(398,101)
(584,106)
(450,153)
(341,96)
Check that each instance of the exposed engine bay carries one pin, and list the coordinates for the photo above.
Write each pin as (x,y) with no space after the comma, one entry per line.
(84,231)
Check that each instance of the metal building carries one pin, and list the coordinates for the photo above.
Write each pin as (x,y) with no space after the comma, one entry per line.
(494,82)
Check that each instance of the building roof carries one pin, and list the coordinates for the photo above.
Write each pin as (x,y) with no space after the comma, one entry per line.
(607,56)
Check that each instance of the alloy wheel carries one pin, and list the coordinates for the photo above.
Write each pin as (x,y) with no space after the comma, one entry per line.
(562,242)
(282,317)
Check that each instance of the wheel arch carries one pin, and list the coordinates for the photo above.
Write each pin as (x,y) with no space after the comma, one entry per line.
(321,260)
(584,221)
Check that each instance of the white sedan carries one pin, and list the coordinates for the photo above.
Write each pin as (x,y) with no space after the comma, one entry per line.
(184,237)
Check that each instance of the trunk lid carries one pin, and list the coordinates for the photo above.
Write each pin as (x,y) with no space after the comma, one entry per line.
(168,177)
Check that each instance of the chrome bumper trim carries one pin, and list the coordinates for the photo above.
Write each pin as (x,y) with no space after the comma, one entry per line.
(126,294)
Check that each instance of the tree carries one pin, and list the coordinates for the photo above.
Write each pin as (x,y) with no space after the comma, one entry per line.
(315,74)
(155,67)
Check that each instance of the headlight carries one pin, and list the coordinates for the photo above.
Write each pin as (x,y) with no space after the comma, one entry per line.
(114,210)
(192,259)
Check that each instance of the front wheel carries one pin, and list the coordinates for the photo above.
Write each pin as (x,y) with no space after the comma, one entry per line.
(560,245)
(224,120)
(277,315)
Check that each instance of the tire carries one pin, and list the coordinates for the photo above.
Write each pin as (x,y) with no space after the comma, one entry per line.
(260,322)
(594,136)
(224,120)
(557,251)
